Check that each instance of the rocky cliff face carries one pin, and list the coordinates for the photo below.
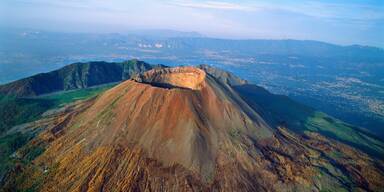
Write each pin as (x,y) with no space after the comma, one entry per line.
(183,129)
(177,77)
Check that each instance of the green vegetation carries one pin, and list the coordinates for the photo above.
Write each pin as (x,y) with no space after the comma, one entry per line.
(34,152)
(29,180)
(12,142)
(65,97)
(234,133)
(334,128)
(301,119)
(15,111)
(8,145)
(74,76)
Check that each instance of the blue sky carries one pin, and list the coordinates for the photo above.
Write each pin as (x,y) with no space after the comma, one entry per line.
(341,22)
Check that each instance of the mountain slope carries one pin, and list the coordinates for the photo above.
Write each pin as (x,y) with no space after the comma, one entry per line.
(74,76)
(281,110)
(15,111)
(185,129)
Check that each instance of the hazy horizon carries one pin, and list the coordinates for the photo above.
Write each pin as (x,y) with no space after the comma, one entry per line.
(341,22)
(178,33)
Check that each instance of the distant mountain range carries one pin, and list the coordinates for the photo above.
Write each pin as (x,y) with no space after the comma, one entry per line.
(29,47)
(183,129)
(344,81)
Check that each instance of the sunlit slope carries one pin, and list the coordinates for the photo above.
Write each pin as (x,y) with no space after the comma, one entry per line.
(185,129)
(16,111)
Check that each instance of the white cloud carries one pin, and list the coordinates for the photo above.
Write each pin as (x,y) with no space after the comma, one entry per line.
(316,9)
(337,10)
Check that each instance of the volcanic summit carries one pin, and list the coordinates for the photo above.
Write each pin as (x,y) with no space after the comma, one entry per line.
(189,129)
(178,77)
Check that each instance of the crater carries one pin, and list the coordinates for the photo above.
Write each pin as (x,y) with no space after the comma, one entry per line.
(176,77)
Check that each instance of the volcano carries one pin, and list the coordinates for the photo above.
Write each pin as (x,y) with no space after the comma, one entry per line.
(187,129)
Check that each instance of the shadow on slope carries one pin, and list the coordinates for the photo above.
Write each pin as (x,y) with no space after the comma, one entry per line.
(281,110)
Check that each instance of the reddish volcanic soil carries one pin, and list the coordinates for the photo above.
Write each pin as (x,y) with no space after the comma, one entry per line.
(181,129)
